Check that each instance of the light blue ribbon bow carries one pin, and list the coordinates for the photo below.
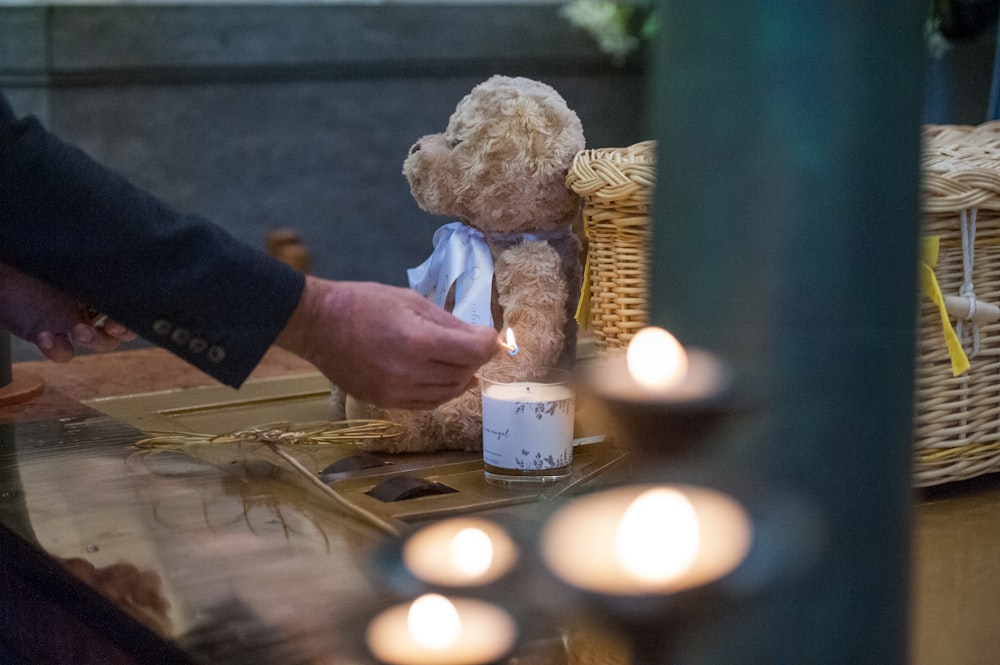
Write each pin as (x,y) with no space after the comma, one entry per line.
(460,257)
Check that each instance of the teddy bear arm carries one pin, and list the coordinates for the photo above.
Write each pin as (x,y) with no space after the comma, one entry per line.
(455,425)
(532,290)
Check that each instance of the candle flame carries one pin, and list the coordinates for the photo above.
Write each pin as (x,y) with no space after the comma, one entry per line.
(658,536)
(656,360)
(433,621)
(471,552)
(510,345)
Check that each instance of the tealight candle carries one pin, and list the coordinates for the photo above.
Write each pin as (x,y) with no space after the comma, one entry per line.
(528,426)
(664,397)
(435,630)
(646,539)
(656,360)
(460,552)
(658,369)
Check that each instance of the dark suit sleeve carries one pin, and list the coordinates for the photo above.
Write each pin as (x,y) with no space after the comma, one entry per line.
(178,280)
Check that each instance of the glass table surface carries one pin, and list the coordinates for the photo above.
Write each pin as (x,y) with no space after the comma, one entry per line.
(223,552)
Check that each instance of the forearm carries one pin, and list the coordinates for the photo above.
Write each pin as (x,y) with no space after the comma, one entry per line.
(178,280)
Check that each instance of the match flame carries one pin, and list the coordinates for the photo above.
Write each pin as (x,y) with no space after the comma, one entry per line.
(510,345)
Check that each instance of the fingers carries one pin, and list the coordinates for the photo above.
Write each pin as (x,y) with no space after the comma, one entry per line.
(102,322)
(451,339)
(464,347)
(119,331)
(97,320)
(457,350)
(409,393)
(61,348)
(101,339)
(57,348)
(94,339)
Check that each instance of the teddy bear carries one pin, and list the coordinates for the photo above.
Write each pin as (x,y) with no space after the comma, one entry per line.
(512,257)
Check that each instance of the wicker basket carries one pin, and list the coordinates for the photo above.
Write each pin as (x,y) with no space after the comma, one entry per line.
(616,185)
(958,412)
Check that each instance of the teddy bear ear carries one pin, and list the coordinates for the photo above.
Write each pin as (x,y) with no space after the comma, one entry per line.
(551,133)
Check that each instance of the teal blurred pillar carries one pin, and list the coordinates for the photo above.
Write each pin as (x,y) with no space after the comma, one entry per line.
(785,238)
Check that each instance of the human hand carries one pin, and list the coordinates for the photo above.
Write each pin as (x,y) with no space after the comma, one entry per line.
(138,592)
(53,320)
(386,345)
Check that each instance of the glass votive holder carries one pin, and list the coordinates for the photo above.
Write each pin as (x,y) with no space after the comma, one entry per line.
(440,630)
(528,427)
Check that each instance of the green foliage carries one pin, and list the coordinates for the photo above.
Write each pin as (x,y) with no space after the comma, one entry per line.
(618,26)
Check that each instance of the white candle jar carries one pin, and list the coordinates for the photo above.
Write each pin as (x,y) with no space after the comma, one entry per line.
(528,427)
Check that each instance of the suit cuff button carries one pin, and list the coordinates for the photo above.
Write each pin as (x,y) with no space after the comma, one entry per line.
(181,336)
(162,327)
(197,345)
(215,354)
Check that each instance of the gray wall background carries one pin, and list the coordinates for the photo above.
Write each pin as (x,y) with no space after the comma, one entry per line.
(297,115)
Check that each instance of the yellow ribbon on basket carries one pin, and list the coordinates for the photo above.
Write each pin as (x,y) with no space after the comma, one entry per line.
(583,304)
(929,250)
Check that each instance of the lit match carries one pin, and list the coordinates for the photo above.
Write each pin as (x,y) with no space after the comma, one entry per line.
(510,346)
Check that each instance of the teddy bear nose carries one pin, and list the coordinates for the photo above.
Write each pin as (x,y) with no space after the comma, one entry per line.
(415,147)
